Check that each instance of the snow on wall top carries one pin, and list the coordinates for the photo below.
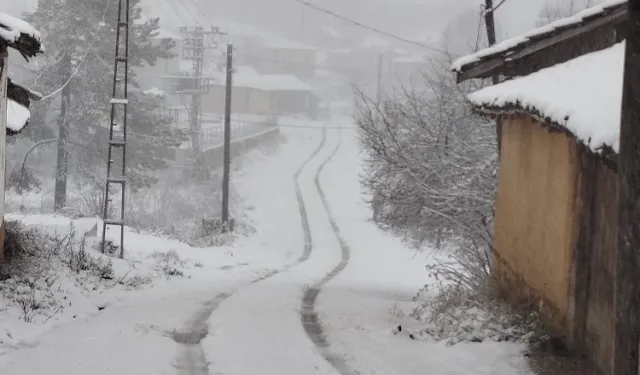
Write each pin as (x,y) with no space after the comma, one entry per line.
(155,92)
(17,117)
(248,77)
(510,43)
(584,95)
(13,27)
(20,35)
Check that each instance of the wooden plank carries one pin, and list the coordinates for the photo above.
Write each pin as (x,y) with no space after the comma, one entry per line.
(583,252)
(627,287)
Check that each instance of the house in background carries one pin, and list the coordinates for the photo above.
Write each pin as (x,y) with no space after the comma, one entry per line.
(277,55)
(262,94)
(556,217)
(14,99)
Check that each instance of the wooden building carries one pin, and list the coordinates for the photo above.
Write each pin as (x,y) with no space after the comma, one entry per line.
(14,99)
(555,235)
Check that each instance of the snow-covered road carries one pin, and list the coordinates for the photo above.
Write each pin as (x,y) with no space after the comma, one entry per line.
(321,293)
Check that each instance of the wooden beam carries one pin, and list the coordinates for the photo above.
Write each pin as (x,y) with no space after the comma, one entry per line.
(492,64)
(627,283)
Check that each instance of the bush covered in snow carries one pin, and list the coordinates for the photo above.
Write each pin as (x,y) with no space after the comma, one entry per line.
(430,171)
(40,267)
(458,314)
(430,168)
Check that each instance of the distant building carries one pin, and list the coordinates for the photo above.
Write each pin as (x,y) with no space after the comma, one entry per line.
(262,94)
(277,55)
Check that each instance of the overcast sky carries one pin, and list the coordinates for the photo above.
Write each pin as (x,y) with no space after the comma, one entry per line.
(407,18)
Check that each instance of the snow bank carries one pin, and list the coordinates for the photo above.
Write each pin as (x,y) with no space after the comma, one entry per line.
(584,95)
(17,116)
(510,43)
(13,27)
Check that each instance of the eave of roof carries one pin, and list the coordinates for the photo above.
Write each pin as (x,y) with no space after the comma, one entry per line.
(492,61)
(21,36)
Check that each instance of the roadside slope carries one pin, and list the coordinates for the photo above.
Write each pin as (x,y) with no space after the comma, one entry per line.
(363,304)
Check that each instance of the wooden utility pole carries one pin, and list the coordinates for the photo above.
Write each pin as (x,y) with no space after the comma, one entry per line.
(379,83)
(489,21)
(62,167)
(227,141)
(627,288)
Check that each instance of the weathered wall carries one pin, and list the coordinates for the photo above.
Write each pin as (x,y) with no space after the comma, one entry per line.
(595,260)
(3,123)
(556,233)
(533,234)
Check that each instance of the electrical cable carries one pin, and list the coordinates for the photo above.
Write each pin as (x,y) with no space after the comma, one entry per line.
(370,28)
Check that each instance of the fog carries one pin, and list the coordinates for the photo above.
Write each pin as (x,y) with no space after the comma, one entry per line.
(419,20)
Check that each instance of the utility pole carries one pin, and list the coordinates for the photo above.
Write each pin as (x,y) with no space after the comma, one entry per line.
(379,87)
(490,23)
(118,126)
(197,42)
(226,225)
(62,167)
(627,284)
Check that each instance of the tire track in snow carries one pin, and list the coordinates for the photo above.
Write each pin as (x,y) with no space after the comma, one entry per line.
(308,314)
(191,359)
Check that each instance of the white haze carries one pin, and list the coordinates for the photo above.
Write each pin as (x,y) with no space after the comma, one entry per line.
(421,20)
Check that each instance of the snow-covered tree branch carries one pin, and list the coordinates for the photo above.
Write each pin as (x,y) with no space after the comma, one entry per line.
(431,167)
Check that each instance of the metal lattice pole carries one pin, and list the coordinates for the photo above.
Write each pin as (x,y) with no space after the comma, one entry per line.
(118,126)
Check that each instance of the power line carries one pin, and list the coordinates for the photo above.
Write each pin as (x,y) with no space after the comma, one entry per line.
(370,28)
(188,11)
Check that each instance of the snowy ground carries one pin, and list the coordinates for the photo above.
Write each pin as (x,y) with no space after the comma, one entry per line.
(312,291)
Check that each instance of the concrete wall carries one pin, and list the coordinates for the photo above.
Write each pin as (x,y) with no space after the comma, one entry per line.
(533,234)
(215,157)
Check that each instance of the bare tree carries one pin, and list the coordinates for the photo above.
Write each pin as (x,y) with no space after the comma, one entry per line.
(430,170)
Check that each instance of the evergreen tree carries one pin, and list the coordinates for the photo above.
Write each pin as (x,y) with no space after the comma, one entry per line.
(81,35)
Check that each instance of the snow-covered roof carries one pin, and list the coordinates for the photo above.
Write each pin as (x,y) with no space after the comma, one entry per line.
(155,92)
(371,41)
(19,99)
(583,95)
(17,117)
(278,42)
(248,77)
(166,33)
(512,43)
(271,82)
(20,35)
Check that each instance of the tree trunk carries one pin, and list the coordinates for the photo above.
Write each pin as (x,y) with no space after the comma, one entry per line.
(627,290)
(60,195)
